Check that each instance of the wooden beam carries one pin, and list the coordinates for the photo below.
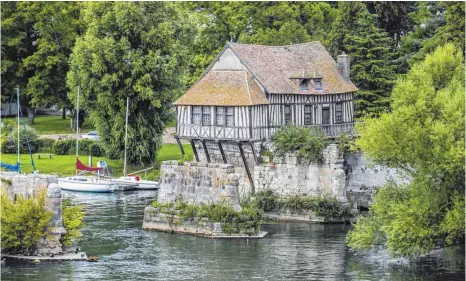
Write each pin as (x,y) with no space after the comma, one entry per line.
(206,151)
(180,146)
(256,160)
(240,146)
(194,150)
(220,147)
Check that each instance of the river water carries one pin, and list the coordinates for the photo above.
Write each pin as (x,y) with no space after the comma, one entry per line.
(291,251)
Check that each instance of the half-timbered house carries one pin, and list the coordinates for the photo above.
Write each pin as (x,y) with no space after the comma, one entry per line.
(249,91)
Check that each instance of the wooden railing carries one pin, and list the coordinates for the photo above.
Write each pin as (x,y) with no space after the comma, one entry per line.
(333,130)
(255,133)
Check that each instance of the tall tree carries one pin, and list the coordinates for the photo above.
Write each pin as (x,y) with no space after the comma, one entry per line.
(37,40)
(371,59)
(428,17)
(424,137)
(136,50)
(393,17)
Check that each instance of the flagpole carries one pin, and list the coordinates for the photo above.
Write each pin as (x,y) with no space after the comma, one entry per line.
(126,134)
(17,96)
(77,129)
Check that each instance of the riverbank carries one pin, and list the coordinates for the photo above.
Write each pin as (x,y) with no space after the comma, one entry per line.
(290,251)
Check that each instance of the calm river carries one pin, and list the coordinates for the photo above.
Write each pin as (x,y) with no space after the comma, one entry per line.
(291,251)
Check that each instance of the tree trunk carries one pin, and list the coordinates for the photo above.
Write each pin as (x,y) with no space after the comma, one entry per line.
(72,123)
(63,114)
(31,116)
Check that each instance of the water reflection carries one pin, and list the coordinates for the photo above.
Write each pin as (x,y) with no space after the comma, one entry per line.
(292,251)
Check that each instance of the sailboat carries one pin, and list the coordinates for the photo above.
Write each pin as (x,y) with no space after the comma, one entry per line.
(134,179)
(85,183)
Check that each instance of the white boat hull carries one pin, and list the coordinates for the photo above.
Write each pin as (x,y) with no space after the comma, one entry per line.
(141,184)
(86,185)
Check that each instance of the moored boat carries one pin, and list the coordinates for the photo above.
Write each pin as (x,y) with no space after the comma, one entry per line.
(141,184)
(86,184)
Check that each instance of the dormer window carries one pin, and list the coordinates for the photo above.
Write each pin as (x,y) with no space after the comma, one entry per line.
(318,84)
(304,84)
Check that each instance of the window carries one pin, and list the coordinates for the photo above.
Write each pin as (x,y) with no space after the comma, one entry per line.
(205,116)
(287,114)
(307,115)
(318,84)
(338,113)
(304,84)
(230,114)
(196,115)
(220,116)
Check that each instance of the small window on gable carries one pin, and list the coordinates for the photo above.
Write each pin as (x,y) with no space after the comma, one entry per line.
(318,84)
(304,84)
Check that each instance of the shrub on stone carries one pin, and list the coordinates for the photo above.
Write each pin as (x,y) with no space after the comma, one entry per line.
(24,222)
(304,143)
(72,221)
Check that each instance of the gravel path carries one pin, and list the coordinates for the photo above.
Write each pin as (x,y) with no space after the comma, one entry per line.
(167,136)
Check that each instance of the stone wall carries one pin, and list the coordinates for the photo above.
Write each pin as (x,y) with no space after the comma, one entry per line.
(362,175)
(29,186)
(289,177)
(197,183)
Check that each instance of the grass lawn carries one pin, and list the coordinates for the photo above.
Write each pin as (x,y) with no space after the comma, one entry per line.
(64,165)
(52,124)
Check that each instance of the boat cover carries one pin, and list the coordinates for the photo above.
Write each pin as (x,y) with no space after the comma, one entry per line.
(13,168)
(82,167)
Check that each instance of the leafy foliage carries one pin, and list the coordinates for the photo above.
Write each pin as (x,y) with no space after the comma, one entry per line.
(248,220)
(37,38)
(72,221)
(369,47)
(325,207)
(135,49)
(24,222)
(424,137)
(10,141)
(304,143)
(45,144)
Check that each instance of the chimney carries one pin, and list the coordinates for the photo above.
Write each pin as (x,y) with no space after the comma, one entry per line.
(343,63)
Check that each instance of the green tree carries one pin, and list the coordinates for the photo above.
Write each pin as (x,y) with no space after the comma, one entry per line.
(393,17)
(37,40)
(452,32)
(424,137)
(266,23)
(371,59)
(136,50)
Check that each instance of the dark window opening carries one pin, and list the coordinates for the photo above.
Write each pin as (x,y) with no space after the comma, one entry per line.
(325,115)
(205,116)
(220,116)
(304,84)
(307,115)
(230,114)
(196,115)
(338,113)
(318,84)
(287,114)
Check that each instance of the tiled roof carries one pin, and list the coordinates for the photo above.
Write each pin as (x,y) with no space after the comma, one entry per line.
(224,88)
(273,66)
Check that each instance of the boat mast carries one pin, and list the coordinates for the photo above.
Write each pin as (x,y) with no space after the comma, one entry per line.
(17,97)
(126,134)
(77,128)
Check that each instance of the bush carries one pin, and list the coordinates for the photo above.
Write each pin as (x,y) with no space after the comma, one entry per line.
(10,145)
(72,221)
(45,145)
(24,222)
(62,147)
(84,147)
(304,143)
(96,149)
